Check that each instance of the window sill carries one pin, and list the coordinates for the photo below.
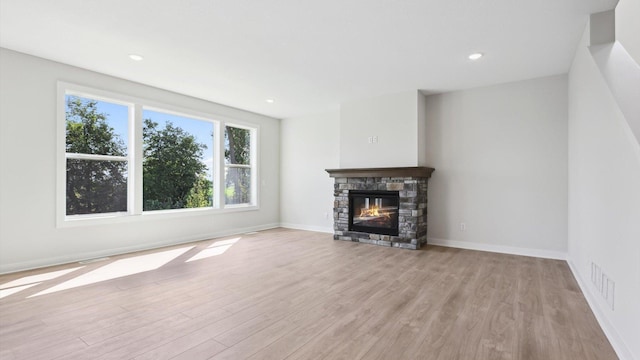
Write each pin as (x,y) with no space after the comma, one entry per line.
(116,218)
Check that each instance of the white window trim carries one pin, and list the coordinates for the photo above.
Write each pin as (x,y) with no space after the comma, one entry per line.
(95,157)
(135,158)
(255,161)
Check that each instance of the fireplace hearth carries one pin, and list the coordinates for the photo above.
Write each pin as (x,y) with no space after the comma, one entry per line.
(381,206)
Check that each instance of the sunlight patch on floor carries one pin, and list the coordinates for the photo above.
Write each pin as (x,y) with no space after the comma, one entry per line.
(13,290)
(120,268)
(37,278)
(215,249)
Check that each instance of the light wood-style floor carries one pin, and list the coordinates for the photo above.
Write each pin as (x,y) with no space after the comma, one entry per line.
(288,294)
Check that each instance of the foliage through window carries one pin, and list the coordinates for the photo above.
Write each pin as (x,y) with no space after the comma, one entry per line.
(122,157)
(238,165)
(177,162)
(96,156)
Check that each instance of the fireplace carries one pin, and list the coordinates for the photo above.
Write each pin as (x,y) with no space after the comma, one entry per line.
(374,212)
(381,206)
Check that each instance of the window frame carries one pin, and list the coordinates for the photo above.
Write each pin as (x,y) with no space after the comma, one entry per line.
(135,159)
(216,138)
(253,164)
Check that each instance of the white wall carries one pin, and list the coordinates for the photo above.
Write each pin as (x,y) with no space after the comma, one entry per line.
(309,145)
(628,26)
(604,200)
(622,75)
(28,233)
(500,155)
(617,66)
(392,118)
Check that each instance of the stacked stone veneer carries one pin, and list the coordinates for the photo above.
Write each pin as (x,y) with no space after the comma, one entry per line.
(412,219)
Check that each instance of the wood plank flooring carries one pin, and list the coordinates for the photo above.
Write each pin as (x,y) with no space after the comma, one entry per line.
(289,294)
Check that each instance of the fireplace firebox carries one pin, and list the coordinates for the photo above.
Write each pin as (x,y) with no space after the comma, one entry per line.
(374,212)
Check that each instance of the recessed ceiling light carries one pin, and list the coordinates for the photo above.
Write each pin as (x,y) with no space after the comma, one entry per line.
(135,57)
(476,56)
(270,101)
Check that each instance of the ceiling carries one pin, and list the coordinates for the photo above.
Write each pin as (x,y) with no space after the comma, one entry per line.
(309,56)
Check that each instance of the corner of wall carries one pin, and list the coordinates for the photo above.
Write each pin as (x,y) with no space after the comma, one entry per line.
(309,145)
(422,129)
(603,28)
(618,68)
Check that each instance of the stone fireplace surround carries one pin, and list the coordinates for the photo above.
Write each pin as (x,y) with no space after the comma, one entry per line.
(411,182)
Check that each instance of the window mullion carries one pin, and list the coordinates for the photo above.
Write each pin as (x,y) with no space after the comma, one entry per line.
(96,157)
(135,165)
(218,166)
(220,175)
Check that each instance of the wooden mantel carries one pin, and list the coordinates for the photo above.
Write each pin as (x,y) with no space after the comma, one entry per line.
(414,171)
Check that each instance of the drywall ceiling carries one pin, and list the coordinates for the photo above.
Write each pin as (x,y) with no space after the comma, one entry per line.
(309,56)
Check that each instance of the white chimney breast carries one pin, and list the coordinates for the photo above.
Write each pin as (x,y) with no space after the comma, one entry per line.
(395,121)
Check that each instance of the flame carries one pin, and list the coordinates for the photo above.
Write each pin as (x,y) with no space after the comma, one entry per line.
(373,211)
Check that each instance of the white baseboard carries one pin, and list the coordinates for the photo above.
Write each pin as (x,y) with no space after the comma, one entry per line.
(616,341)
(547,254)
(40,263)
(322,229)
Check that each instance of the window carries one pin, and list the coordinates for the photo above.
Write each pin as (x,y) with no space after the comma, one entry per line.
(96,156)
(126,156)
(178,162)
(238,165)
